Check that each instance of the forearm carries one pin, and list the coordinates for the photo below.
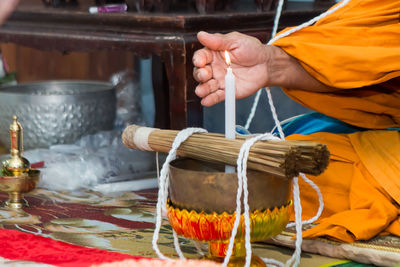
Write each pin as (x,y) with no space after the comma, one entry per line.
(285,71)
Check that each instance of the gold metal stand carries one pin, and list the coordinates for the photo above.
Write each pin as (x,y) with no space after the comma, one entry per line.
(16,176)
(17,186)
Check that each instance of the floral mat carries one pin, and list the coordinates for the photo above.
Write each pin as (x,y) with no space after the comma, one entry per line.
(124,222)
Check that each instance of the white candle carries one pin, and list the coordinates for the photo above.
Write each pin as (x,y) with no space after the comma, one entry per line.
(230,106)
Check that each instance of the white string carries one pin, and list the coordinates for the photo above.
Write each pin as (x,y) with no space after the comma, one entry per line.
(295,259)
(253,110)
(177,246)
(158,166)
(163,183)
(242,173)
(273,33)
(310,22)
(237,217)
(246,205)
(242,187)
(320,201)
(284,34)
(303,176)
(277,17)
(176,240)
(274,113)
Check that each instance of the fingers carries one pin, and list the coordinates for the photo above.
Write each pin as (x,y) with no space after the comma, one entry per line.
(212,42)
(210,92)
(214,98)
(203,74)
(6,8)
(202,57)
(217,41)
(207,70)
(204,89)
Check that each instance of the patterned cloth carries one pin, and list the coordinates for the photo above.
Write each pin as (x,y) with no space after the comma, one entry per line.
(90,223)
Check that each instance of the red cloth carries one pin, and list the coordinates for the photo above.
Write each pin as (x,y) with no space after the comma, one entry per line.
(16,245)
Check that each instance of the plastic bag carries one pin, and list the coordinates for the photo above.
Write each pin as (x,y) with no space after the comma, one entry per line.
(129,108)
(94,159)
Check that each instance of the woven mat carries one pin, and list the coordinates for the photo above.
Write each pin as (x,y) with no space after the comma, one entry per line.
(380,251)
(124,222)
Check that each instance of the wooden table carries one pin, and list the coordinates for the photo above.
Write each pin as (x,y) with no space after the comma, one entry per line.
(170,37)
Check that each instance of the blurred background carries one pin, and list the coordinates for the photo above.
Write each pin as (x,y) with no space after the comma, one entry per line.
(36,65)
(103,153)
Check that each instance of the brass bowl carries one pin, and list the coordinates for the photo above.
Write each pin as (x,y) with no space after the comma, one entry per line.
(201,186)
(17,186)
(202,207)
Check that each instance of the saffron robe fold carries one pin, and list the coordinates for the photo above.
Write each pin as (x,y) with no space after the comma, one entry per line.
(360,188)
(356,51)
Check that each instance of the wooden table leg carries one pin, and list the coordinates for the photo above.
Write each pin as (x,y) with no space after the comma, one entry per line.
(161,93)
(185,109)
(193,105)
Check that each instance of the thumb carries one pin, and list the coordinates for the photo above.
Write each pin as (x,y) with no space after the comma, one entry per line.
(215,41)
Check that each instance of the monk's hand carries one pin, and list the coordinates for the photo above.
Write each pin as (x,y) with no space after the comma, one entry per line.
(249,63)
(6,8)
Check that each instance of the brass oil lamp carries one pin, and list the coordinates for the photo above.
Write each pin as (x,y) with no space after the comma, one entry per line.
(17,164)
(16,176)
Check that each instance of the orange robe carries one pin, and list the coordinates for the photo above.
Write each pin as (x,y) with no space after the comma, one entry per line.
(355,50)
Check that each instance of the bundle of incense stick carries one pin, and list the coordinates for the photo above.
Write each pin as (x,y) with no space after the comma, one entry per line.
(276,157)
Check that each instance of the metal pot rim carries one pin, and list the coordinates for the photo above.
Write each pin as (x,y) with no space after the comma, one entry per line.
(11,88)
(16,92)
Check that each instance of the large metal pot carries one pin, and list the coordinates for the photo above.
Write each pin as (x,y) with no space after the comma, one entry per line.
(57,112)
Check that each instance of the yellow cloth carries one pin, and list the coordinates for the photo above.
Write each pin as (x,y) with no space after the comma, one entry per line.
(355,50)
(357,46)
(361,187)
